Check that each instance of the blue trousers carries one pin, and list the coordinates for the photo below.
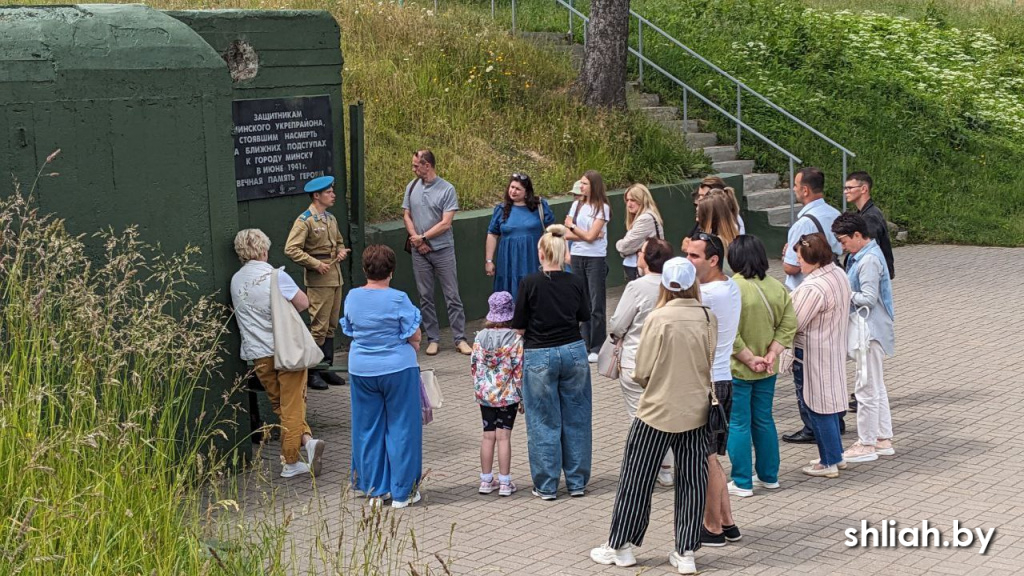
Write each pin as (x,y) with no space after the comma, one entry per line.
(558,397)
(826,434)
(387,433)
(798,382)
(751,421)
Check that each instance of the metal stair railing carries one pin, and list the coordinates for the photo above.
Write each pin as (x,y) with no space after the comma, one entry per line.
(741,87)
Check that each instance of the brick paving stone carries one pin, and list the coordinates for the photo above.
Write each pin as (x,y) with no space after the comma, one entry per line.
(957,397)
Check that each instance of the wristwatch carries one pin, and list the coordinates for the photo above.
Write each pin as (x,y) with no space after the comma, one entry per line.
(572,227)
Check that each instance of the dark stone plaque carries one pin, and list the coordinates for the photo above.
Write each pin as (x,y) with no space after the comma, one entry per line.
(280,144)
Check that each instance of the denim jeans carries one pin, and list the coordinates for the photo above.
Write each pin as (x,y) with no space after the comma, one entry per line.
(751,421)
(557,395)
(798,381)
(594,271)
(826,434)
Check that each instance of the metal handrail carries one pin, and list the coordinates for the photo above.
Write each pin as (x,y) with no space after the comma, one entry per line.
(740,88)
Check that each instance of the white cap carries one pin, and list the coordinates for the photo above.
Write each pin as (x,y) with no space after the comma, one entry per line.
(678,274)
(577,188)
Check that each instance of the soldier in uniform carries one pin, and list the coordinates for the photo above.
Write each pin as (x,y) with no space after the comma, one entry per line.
(315,243)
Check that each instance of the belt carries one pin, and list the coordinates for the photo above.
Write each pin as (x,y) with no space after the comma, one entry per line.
(321,255)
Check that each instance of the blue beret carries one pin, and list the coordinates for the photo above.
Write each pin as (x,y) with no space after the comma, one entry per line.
(319,184)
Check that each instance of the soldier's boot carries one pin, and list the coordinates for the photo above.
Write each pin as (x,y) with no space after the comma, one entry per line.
(316,381)
(331,378)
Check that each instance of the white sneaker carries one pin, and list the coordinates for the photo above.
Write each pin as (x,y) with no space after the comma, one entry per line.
(592,358)
(403,503)
(666,477)
(289,470)
(314,454)
(605,554)
(768,485)
(741,492)
(683,564)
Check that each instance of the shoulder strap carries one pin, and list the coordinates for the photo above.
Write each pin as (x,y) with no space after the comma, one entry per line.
(576,213)
(540,213)
(657,228)
(771,313)
(817,224)
(408,189)
(711,357)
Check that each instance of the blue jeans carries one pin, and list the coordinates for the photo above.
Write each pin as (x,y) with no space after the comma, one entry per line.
(557,395)
(387,433)
(798,381)
(826,434)
(751,421)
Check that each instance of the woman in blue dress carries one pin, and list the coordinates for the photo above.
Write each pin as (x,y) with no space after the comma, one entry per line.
(514,231)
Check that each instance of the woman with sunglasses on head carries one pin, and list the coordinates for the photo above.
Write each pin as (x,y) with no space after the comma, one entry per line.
(515,228)
(643,221)
(587,223)
(822,303)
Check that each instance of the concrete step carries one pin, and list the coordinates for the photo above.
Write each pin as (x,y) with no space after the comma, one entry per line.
(680,126)
(720,153)
(767,199)
(660,112)
(734,166)
(642,99)
(545,37)
(759,182)
(778,216)
(701,139)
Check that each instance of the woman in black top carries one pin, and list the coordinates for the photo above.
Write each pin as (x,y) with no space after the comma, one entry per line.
(556,380)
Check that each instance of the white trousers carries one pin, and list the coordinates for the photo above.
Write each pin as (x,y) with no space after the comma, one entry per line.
(874,420)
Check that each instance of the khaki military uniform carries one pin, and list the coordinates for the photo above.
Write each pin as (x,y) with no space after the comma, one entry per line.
(315,238)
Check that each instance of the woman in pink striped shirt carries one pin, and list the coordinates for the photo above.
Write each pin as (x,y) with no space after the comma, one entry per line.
(822,303)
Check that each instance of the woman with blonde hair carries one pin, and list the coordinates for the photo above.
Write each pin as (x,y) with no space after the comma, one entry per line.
(643,221)
(556,379)
(715,216)
(673,364)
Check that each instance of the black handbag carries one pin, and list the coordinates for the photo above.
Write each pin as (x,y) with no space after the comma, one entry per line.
(718,420)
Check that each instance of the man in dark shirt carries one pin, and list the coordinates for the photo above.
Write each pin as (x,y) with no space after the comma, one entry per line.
(858,192)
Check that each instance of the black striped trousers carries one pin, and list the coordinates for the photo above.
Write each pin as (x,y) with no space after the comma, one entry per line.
(645,447)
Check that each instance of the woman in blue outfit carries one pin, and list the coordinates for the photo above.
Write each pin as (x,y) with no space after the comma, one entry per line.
(387,426)
(515,229)
(556,377)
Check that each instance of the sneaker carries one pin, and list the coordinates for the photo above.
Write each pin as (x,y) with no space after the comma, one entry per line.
(543,496)
(289,470)
(842,464)
(578,493)
(708,538)
(605,554)
(507,489)
(884,448)
(464,348)
(860,453)
(592,358)
(666,477)
(403,503)
(378,501)
(315,454)
(822,471)
(432,349)
(683,563)
(735,490)
(762,484)
(488,487)
(731,533)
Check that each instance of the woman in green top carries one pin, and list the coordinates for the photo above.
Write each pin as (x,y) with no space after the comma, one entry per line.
(767,327)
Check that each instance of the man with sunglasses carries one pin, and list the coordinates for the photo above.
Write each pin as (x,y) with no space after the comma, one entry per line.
(722,295)
(815,217)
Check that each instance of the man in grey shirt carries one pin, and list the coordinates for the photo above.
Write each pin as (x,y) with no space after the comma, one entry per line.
(430,205)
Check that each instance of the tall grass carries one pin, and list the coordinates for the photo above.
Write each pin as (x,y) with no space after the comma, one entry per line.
(106,466)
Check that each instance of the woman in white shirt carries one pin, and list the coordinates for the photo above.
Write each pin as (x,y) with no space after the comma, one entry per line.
(643,221)
(586,221)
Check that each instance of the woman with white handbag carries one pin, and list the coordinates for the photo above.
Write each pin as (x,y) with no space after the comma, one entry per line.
(258,295)
(872,293)
(384,377)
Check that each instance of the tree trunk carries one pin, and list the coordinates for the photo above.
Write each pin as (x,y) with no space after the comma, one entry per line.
(602,80)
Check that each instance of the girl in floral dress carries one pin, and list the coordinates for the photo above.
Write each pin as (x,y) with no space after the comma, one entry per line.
(497,368)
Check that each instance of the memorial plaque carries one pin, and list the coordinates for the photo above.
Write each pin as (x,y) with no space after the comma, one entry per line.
(280,144)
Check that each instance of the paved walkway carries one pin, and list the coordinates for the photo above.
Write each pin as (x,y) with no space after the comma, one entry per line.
(957,396)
